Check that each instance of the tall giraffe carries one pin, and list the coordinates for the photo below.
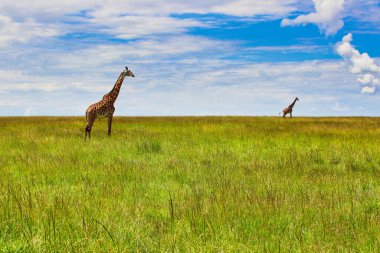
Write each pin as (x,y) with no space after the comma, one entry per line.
(105,107)
(289,109)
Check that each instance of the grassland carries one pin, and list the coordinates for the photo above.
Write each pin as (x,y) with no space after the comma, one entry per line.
(200,184)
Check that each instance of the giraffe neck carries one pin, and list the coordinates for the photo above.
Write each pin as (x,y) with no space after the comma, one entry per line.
(292,104)
(114,93)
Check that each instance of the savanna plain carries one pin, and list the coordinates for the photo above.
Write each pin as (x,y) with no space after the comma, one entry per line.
(190,184)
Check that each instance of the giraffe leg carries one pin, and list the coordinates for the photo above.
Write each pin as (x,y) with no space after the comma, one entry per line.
(89,128)
(109,124)
(291,116)
(284,115)
(88,131)
(85,129)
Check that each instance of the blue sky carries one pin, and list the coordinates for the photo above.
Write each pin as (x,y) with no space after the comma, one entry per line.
(236,57)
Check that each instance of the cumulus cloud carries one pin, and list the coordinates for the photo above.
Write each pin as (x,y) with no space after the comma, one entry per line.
(327,15)
(368,79)
(361,64)
(368,90)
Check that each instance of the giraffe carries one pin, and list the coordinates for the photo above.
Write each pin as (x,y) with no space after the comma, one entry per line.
(105,107)
(289,109)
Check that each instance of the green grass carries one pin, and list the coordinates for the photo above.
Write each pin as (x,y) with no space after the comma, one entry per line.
(199,184)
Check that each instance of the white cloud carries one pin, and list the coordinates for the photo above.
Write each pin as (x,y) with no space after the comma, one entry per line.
(368,79)
(153,17)
(24,31)
(25,20)
(35,85)
(368,90)
(129,27)
(152,50)
(366,12)
(100,8)
(328,16)
(252,8)
(22,20)
(8,75)
(92,69)
(361,63)
(290,48)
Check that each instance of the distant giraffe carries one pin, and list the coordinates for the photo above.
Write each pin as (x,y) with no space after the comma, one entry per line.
(105,107)
(289,109)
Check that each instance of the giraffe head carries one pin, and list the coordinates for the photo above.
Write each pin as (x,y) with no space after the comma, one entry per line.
(127,72)
(297,99)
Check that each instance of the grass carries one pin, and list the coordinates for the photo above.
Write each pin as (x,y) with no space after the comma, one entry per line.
(199,184)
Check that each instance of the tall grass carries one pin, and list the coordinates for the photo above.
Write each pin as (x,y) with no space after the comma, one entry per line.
(197,184)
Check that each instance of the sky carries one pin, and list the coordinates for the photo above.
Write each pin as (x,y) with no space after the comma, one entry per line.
(215,57)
